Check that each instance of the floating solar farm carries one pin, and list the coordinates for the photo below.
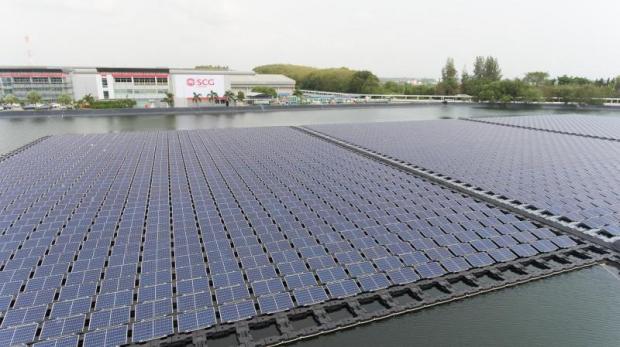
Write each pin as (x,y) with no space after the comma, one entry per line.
(156,238)
(574,177)
(597,127)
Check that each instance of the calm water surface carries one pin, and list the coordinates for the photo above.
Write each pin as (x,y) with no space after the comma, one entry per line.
(575,309)
(15,132)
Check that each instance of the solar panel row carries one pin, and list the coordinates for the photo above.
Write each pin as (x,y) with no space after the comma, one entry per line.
(130,237)
(571,176)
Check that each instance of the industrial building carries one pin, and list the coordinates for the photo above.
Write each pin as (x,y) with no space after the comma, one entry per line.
(147,86)
(49,83)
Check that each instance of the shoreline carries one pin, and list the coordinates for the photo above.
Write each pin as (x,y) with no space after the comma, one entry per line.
(218,110)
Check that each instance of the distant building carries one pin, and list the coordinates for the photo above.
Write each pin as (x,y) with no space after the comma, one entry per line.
(147,86)
(49,83)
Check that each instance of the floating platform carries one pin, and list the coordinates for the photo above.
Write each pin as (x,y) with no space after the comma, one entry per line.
(568,178)
(250,236)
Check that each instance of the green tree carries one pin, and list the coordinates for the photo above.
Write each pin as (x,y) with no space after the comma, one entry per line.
(479,67)
(299,94)
(240,96)
(391,87)
(329,80)
(363,82)
(492,72)
(230,96)
(10,99)
(65,99)
(196,98)
(296,72)
(567,80)
(212,96)
(449,84)
(86,101)
(33,97)
(169,99)
(266,90)
(536,78)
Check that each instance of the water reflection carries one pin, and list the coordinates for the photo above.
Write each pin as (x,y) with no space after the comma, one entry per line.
(15,132)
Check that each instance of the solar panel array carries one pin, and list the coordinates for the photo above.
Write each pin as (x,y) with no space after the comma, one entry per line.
(118,238)
(573,176)
(601,126)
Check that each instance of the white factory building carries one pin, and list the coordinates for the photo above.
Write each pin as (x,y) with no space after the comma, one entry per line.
(147,86)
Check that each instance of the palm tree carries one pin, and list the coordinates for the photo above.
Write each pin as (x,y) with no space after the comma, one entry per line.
(196,98)
(86,101)
(240,96)
(212,96)
(230,96)
(33,97)
(298,93)
(10,99)
(65,99)
(169,99)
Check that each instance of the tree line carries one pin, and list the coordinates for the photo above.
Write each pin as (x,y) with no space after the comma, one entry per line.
(341,79)
(484,84)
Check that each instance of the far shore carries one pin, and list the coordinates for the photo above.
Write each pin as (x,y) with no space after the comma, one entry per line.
(216,110)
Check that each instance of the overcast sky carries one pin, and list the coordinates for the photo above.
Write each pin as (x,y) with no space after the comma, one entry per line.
(389,37)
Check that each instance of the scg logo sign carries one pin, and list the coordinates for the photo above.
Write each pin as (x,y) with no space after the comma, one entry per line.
(200,82)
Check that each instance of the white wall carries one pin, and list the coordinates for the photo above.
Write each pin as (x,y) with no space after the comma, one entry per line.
(86,83)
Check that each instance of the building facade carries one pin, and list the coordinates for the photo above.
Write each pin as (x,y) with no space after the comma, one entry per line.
(147,86)
(49,83)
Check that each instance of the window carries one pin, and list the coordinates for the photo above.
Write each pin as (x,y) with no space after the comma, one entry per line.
(106,94)
(162,80)
(143,81)
(56,80)
(21,80)
(104,82)
(122,79)
(40,80)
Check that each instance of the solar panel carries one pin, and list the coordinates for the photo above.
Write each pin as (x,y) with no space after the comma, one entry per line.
(455,264)
(276,302)
(343,288)
(237,311)
(109,318)
(62,326)
(374,282)
(116,336)
(403,276)
(152,329)
(16,335)
(310,295)
(24,316)
(69,341)
(196,320)
(249,222)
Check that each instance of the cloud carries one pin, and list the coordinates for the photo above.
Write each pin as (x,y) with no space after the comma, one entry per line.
(390,37)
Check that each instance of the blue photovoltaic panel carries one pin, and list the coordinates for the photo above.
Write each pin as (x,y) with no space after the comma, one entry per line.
(69,341)
(62,326)
(249,221)
(17,335)
(275,302)
(525,159)
(152,329)
(192,321)
(343,288)
(237,311)
(107,337)
(109,318)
